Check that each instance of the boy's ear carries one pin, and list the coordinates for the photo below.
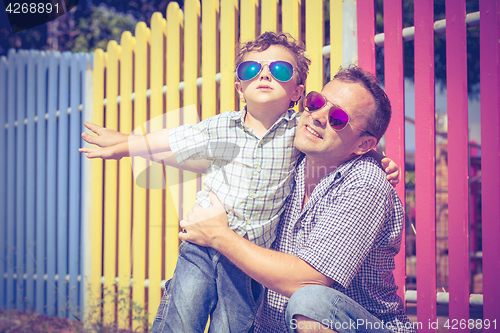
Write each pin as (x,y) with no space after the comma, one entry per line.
(366,144)
(239,89)
(299,90)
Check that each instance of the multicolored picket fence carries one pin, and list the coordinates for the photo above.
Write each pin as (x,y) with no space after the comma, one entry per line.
(73,230)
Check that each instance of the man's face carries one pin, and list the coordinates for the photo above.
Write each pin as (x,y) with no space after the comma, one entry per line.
(316,138)
(264,90)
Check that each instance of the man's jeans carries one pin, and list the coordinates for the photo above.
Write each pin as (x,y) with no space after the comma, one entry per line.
(331,308)
(207,283)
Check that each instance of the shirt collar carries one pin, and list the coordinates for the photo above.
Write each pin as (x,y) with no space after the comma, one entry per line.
(288,115)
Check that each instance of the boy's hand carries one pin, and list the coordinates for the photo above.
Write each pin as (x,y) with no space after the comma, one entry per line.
(106,153)
(203,225)
(105,137)
(391,169)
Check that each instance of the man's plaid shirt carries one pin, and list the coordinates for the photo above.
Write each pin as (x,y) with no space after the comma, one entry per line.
(252,176)
(349,230)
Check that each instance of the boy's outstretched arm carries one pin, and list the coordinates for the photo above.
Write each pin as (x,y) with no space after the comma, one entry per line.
(115,145)
(388,165)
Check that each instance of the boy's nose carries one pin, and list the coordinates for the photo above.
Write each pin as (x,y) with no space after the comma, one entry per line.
(265,74)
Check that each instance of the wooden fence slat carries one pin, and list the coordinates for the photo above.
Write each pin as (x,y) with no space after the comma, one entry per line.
(458,186)
(86,65)
(269,16)
(228,41)
(336,24)
(209,11)
(490,159)
(74,185)
(425,171)
(190,103)
(30,179)
(291,18)
(3,179)
(96,174)
(248,20)
(315,37)
(366,35)
(172,199)
(20,175)
(51,184)
(110,185)
(41,160)
(142,34)
(155,194)
(62,185)
(11,118)
(125,180)
(395,134)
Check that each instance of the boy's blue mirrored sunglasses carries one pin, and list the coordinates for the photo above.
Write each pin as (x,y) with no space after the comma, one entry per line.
(280,70)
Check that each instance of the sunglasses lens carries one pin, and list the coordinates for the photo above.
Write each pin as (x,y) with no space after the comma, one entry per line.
(281,70)
(247,70)
(314,101)
(338,118)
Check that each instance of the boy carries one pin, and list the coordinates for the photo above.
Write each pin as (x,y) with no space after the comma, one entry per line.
(251,164)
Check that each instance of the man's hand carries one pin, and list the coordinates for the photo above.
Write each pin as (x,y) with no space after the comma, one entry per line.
(391,169)
(203,225)
(104,137)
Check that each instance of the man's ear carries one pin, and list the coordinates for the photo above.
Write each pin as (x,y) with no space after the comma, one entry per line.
(239,89)
(366,144)
(297,94)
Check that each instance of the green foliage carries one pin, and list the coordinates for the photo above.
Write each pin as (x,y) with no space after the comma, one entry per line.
(95,31)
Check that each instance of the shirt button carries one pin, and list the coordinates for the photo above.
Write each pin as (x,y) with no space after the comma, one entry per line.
(252,195)
(248,222)
(258,169)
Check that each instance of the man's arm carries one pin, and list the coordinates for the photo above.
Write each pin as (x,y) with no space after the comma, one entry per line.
(278,271)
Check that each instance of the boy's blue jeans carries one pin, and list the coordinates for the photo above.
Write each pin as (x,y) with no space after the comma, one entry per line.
(207,283)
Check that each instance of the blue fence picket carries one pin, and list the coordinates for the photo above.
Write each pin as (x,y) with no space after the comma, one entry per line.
(11,165)
(41,150)
(3,178)
(74,183)
(20,177)
(62,185)
(51,182)
(30,178)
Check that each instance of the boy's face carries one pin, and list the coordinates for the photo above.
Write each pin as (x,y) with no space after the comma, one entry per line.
(264,91)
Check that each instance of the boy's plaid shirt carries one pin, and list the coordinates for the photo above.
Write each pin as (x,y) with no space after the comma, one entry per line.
(349,230)
(252,176)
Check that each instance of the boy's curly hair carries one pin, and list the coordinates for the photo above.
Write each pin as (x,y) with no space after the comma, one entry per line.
(269,38)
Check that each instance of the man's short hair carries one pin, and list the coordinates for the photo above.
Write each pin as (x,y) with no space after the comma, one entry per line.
(378,123)
(265,40)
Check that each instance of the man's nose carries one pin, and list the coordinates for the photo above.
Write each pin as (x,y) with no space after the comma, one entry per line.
(321,116)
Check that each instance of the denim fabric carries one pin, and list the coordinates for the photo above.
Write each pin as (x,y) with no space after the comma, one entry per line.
(204,284)
(333,309)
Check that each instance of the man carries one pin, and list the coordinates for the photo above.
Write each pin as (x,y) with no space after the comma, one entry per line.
(330,268)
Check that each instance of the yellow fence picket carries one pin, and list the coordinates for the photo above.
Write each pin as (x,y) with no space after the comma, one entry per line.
(125,176)
(96,189)
(209,45)
(157,57)
(315,42)
(110,185)
(291,18)
(191,61)
(269,16)
(229,38)
(335,36)
(142,34)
